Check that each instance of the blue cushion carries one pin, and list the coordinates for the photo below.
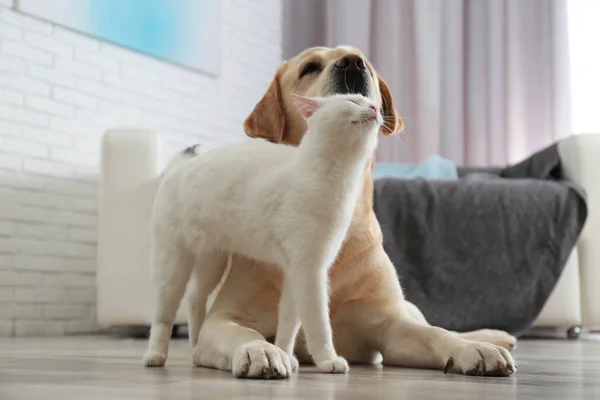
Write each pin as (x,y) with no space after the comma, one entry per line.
(433,167)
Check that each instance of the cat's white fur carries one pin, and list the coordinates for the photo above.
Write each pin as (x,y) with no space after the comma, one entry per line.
(289,206)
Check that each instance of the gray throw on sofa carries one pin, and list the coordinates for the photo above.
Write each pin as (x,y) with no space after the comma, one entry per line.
(486,250)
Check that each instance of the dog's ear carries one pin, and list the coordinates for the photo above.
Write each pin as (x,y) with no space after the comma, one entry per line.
(392,123)
(267,119)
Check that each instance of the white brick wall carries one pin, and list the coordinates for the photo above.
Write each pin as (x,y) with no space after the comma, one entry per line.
(59,91)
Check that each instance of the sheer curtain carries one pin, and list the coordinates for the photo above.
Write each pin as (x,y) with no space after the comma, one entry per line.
(482,82)
(584,38)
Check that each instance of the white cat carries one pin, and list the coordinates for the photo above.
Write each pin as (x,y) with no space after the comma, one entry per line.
(289,206)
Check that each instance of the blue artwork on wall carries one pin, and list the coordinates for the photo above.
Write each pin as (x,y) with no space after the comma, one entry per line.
(186,32)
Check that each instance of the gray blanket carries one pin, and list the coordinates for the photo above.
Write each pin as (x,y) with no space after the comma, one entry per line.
(484,251)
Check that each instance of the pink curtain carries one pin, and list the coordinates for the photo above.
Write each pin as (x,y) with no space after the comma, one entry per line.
(482,82)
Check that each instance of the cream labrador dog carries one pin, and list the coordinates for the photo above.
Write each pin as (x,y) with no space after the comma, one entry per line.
(370,317)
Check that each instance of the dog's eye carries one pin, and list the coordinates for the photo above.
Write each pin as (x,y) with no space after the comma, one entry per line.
(310,68)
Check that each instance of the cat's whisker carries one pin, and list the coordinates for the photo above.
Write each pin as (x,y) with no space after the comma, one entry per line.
(404,149)
(387,123)
(384,103)
(346,79)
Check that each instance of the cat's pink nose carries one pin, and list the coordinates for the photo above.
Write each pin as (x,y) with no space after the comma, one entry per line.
(373,108)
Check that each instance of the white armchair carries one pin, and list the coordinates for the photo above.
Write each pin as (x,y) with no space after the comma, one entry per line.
(132,162)
(575,302)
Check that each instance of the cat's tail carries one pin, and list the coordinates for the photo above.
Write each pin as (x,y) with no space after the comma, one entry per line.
(185,155)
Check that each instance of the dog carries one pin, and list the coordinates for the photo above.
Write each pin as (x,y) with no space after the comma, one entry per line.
(370,318)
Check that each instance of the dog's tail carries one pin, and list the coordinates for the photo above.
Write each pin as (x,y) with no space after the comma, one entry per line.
(185,155)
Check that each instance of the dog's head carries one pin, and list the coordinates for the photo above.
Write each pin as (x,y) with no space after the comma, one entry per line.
(318,71)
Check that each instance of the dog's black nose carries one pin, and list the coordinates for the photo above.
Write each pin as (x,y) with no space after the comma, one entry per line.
(350,75)
(351,62)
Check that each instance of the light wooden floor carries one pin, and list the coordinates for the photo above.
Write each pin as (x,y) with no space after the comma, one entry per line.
(92,368)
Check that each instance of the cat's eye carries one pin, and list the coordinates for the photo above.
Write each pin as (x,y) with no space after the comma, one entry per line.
(310,68)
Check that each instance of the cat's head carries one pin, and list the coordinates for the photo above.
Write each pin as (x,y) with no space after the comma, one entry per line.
(344,113)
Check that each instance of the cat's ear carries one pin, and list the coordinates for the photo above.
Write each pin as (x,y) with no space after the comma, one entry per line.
(392,121)
(306,105)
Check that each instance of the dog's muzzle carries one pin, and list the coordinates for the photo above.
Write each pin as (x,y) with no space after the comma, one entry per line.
(350,75)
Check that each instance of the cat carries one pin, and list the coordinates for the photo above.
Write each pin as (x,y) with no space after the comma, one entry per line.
(285,205)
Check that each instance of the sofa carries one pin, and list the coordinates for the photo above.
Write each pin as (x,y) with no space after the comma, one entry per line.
(132,160)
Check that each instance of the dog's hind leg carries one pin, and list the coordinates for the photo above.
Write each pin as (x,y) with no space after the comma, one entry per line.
(171,266)
(206,275)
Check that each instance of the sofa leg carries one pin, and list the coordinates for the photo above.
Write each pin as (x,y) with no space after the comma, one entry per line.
(574,332)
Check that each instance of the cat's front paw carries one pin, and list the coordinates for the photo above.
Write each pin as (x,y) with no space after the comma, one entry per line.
(338,365)
(154,359)
(294,362)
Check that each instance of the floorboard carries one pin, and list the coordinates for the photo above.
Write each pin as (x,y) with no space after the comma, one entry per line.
(100,367)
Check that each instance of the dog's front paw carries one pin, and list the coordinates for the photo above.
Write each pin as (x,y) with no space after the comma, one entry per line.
(499,338)
(338,365)
(154,359)
(484,359)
